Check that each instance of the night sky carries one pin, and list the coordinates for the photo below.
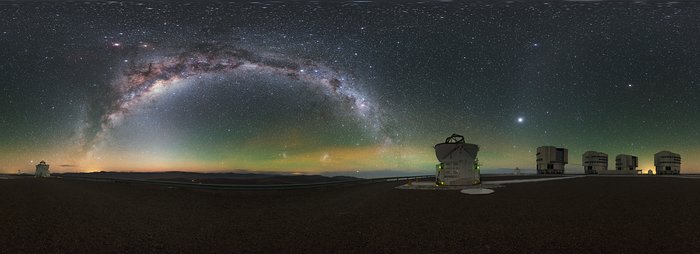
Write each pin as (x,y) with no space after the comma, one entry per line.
(343,88)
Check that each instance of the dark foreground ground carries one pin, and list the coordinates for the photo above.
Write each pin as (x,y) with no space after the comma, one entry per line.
(584,215)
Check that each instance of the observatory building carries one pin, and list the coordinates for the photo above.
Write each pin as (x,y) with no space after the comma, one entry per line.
(594,162)
(626,162)
(551,160)
(667,163)
(42,170)
(458,162)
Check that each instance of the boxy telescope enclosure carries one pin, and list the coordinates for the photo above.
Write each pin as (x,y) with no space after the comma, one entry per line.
(551,160)
(667,163)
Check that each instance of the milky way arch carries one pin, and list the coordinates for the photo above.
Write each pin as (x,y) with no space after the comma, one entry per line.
(142,81)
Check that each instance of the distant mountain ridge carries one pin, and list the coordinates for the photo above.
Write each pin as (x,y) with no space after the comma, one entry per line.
(214,178)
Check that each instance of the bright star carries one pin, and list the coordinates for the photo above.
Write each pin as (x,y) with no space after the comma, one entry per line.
(520,119)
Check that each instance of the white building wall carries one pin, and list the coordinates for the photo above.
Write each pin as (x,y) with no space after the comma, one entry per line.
(626,162)
(457,163)
(667,163)
(551,160)
(594,162)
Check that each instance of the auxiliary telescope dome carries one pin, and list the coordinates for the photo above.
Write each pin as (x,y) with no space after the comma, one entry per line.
(458,162)
(42,170)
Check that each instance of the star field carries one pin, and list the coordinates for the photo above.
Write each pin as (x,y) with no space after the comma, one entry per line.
(343,86)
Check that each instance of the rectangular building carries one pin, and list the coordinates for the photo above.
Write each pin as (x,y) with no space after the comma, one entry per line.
(594,162)
(626,162)
(551,160)
(667,163)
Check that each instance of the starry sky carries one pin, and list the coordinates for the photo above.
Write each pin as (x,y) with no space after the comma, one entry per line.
(360,88)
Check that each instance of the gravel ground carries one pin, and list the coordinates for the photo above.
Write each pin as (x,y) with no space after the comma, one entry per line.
(584,215)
